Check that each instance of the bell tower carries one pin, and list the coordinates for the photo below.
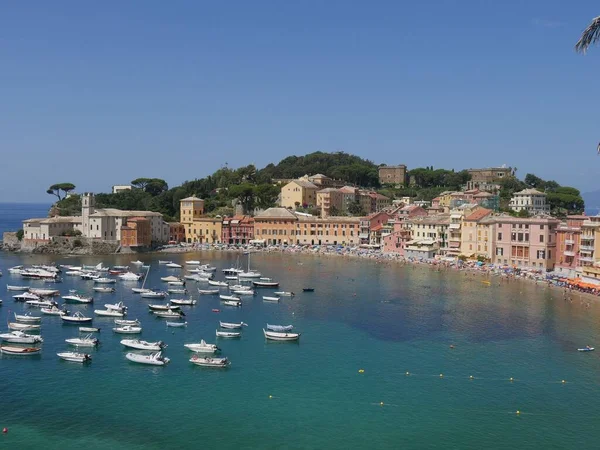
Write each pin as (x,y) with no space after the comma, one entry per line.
(87,208)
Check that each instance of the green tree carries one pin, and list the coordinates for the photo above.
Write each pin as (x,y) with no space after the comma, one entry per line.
(523,213)
(20,234)
(535,182)
(153,186)
(245,195)
(56,188)
(356,209)
(266,195)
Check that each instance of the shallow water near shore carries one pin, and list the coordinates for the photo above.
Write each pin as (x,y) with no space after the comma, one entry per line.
(384,318)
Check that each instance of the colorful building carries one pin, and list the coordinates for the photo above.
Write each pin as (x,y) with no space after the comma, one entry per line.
(176,232)
(368,223)
(530,200)
(299,193)
(589,250)
(476,237)
(311,230)
(275,226)
(331,202)
(237,230)
(136,233)
(568,242)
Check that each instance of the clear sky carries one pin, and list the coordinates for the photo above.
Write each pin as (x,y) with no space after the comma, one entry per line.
(100,93)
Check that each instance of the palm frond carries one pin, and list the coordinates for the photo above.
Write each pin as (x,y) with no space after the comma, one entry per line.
(590,36)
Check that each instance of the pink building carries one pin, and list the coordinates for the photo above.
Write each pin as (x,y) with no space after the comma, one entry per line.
(568,240)
(410,211)
(367,224)
(396,241)
(526,242)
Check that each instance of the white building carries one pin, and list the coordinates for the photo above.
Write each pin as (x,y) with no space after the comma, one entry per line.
(120,188)
(106,223)
(46,228)
(530,200)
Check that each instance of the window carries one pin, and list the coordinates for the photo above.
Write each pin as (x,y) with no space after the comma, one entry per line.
(526,237)
(499,236)
(541,254)
(541,227)
(541,238)
(499,251)
(513,236)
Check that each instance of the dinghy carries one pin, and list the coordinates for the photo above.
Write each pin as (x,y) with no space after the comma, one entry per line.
(86,341)
(169,278)
(265,283)
(109,313)
(280,328)
(270,299)
(176,324)
(208,291)
(140,290)
(210,362)
(246,292)
(19,337)
(27,318)
(186,302)
(89,330)
(228,334)
(173,265)
(54,311)
(17,288)
(105,280)
(116,306)
(155,359)
(77,317)
(276,336)
(232,326)
(235,303)
(23,326)
(202,347)
(75,357)
(144,345)
(217,283)
(284,294)
(229,297)
(104,290)
(168,314)
(8,350)
(127,329)
(308,289)
(133,322)
(153,294)
(192,263)
(176,283)
(164,307)
(587,348)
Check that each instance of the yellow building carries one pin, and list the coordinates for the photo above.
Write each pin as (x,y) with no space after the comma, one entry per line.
(445,198)
(331,201)
(477,234)
(298,193)
(312,230)
(199,228)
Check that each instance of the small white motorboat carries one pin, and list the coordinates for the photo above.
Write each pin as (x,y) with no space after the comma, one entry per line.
(77,317)
(235,303)
(130,276)
(270,299)
(164,307)
(209,362)
(73,273)
(27,318)
(17,288)
(120,268)
(144,345)
(217,283)
(207,268)
(173,265)
(280,328)
(231,277)
(116,306)
(250,274)
(202,347)
(77,298)
(153,294)
(41,303)
(186,302)
(176,324)
(16,270)
(19,337)
(155,359)
(164,262)
(228,334)
(23,326)
(140,290)
(232,271)
(232,326)
(89,330)
(54,311)
(240,287)
(246,292)
(208,291)
(169,314)
(177,291)
(105,280)
(137,263)
(277,336)
(176,283)
(8,350)
(109,313)
(89,275)
(127,329)
(75,357)
(86,341)
(133,322)
(587,348)
(229,297)
(265,283)
(103,289)
(284,293)
(193,263)
(26,296)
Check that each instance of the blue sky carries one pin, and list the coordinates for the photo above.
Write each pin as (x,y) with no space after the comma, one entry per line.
(101,93)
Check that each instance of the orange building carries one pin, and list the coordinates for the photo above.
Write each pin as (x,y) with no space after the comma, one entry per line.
(137,233)
(275,226)
(176,233)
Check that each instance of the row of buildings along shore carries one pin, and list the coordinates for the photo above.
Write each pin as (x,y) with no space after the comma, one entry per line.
(463,224)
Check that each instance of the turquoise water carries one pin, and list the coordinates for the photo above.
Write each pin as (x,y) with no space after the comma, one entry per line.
(383,318)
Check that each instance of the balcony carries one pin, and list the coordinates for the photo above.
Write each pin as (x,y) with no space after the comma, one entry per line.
(586,248)
(569,253)
(587,237)
(586,259)
(569,241)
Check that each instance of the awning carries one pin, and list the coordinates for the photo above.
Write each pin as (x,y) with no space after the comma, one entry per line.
(454,244)
(454,226)
(455,216)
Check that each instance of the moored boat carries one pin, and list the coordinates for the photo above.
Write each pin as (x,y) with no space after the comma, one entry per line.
(41,303)
(280,328)
(9,350)
(75,357)
(173,265)
(16,288)
(177,291)
(267,298)
(109,313)
(228,334)
(23,326)
(127,329)
(19,337)
(77,298)
(77,317)
(265,283)
(277,336)
(176,324)
(169,314)
(153,294)
(143,345)
(284,293)
(245,292)
(308,289)
(133,322)
(183,301)
(587,348)
(44,292)
(229,297)
(164,262)
(164,307)
(209,362)
(235,303)
(86,341)
(217,283)
(208,291)
(155,359)
(103,289)
(105,280)
(202,347)
(232,326)
(54,311)
(27,318)
(89,329)
(130,276)
(116,306)
(26,296)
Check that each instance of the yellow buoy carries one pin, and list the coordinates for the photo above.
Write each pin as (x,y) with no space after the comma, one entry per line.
(361,370)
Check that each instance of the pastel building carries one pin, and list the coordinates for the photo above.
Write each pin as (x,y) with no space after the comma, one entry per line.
(310,230)
(136,233)
(275,226)
(368,224)
(530,200)
(429,236)
(589,250)
(526,242)
(568,243)
(44,229)
(298,193)
(238,230)
(331,202)
(476,235)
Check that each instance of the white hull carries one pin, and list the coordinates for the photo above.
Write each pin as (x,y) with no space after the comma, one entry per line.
(82,342)
(74,357)
(229,297)
(284,294)
(18,337)
(21,351)
(176,324)
(108,313)
(183,302)
(228,334)
(237,304)
(23,326)
(104,290)
(27,318)
(77,299)
(53,311)
(167,315)
(17,288)
(143,345)
(217,283)
(276,336)
(232,326)
(127,330)
(140,290)
(210,362)
(270,299)
(247,292)
(202,347)
(153,294)
(89,329)
(208,291)
(154,360)
(76,318)
(131,323)
(105,280)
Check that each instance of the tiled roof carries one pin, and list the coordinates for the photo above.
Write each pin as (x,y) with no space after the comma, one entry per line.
(112,212)
(478,215)
(529,192)
(304,184)
(277,213)
(191,199)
